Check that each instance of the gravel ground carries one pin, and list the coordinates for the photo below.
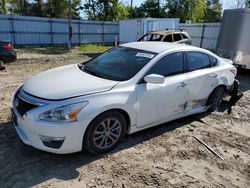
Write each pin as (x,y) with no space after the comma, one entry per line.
(163,156)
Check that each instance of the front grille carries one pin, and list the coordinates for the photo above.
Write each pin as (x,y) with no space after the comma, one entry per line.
(23,106)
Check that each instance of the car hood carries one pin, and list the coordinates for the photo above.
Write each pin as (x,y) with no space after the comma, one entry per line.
(66,82)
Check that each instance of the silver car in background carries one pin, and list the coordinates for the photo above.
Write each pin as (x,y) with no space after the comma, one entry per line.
(176,36)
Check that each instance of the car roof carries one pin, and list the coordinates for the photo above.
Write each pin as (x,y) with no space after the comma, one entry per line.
(158,47)
(166,32)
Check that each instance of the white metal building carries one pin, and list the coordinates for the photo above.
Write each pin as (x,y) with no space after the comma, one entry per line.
(130,30)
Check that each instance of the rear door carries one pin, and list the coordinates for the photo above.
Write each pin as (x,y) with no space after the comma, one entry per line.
(202,76)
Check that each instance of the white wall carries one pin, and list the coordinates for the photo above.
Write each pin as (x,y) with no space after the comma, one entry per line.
(204,35)
(23,30)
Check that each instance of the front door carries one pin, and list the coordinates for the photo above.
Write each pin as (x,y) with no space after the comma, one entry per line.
(162,102)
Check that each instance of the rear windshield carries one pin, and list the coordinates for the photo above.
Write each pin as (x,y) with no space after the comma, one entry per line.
(119,64)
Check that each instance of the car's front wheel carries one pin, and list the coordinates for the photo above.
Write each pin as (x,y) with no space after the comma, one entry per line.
(105,132)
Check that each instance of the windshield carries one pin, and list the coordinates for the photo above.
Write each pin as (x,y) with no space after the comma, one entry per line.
(119,64)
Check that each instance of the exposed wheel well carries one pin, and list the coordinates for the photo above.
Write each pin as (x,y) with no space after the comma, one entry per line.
(222,86)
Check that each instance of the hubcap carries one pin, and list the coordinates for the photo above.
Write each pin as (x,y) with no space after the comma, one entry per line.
(107,133)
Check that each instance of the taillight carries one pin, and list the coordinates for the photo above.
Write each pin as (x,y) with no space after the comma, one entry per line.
(234,71)
(7,46)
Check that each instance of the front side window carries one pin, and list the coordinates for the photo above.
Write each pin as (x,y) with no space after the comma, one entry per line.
(119,64)
(156,37)
(197,60)
(169,65)
(213,60)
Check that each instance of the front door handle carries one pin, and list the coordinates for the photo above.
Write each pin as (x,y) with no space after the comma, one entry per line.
(213,75)
(182,84)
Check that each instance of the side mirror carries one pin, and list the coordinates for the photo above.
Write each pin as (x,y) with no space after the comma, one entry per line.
(154,79)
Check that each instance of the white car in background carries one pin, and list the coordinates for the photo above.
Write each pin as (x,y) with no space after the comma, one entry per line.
(124,90)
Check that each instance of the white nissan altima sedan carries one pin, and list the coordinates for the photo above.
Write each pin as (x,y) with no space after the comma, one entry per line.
(124,90)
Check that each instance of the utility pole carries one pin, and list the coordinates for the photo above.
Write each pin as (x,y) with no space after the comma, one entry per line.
(131,9)
(69,25)
(159,8)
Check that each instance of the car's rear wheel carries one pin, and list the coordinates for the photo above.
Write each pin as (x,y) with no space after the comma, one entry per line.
(105,132)
(215,99)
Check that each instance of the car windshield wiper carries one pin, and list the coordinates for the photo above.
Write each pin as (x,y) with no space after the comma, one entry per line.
(91,72)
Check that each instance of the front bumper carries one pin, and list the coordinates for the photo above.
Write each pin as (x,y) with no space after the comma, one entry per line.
(35,132)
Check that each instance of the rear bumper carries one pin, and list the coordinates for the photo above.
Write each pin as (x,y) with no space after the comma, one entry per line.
(235,93)
(240,66)
(8,57)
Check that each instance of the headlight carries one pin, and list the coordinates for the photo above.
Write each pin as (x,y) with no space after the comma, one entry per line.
(15,92)
(66,113)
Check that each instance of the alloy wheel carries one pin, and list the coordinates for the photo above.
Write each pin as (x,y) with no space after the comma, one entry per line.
(107,133)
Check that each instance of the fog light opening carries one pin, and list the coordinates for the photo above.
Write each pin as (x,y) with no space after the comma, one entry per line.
(52,142)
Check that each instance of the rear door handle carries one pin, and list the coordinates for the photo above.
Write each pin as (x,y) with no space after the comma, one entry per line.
(213,75)
(182,84)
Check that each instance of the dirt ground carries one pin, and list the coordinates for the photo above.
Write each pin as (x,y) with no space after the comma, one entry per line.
(163,156)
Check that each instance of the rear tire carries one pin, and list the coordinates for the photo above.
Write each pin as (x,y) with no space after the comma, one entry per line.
(215,99)
(105,132)
(1,66)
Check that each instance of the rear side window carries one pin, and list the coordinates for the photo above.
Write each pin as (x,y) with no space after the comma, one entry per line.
(184,36)
(177,37)
(169,65)
(168,38)
(213,61)
(197,60)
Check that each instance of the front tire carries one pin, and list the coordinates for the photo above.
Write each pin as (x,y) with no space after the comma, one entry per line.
(105,132)
(215,99)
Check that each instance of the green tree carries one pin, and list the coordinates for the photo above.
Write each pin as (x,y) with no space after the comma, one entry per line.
(118,11)
(193,10)
(37,8)
(106,10)
(19,7)
(76,4)
(3,6)
(138,12)
(92,8)
(59,9)
(197,10)
(213,11)
(44,8)
(149,8)
(247,3)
